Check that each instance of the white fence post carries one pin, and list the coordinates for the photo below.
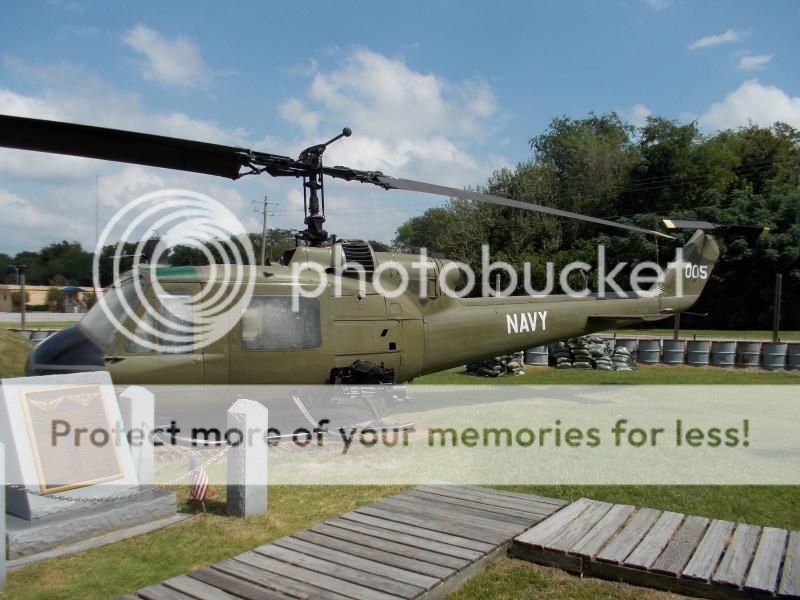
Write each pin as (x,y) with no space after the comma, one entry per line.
(137,406)
(247,460)
(3,517)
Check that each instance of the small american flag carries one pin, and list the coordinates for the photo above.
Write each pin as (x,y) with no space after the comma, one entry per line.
(200,481)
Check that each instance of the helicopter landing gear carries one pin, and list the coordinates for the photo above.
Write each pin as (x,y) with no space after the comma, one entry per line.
(357,401)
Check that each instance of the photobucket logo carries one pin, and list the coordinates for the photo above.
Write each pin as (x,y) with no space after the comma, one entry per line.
(185,315)
(498,278)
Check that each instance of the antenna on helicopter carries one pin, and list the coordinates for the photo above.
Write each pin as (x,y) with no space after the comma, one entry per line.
(314,191)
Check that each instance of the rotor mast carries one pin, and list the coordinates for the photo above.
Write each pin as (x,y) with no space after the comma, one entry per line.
(314,191)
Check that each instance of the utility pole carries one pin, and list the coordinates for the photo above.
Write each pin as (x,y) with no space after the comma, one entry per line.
(776,309)
(262,207)
(21,272)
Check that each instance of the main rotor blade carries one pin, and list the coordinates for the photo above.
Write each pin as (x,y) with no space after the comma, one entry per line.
(441,190)
(122,146)
(748,230)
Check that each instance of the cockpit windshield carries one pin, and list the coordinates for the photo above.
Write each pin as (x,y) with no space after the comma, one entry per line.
(117,300)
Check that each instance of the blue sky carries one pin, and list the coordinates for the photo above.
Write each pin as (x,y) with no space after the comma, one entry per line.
(444,91)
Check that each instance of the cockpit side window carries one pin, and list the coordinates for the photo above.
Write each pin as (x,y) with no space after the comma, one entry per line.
(269,323)
(173,307)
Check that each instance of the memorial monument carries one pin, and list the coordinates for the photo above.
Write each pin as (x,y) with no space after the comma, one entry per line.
(70,475)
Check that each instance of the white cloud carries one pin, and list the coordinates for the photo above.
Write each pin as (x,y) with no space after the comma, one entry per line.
(114,189)
(751,62)
(637,114)
(294,111)
(658,4)
(384,97)
(28,224)
(727,37)
(752,102)
(169,61)
(52,197)
(405,122)
(71,94)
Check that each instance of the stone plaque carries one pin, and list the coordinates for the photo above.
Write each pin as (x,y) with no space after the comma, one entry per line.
(71,436)
(92,461)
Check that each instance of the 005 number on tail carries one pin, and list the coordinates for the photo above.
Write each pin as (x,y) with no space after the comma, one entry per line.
(692,271)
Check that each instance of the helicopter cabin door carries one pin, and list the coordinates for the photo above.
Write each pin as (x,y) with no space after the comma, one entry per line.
(158,354)
(365,332)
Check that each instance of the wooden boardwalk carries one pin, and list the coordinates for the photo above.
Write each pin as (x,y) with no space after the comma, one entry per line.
(666,550)
(422,543)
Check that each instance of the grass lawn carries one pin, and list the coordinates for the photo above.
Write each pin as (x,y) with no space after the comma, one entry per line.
(644,375)
(39,325)
(13,354)
(128,565)
(508,578)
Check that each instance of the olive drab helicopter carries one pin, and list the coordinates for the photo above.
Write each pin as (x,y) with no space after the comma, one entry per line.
(359,335)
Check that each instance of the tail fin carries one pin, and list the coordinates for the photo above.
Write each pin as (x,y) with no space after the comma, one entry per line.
(689,273)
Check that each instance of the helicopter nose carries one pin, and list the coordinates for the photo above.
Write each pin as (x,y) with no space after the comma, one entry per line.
(68,351)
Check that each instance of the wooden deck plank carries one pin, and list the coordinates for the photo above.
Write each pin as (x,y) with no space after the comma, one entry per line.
(462,530)
(532,498)
(578,527)
(446,514)
(444,542)
(239,588)
(404,562)
(199,590)
(790,576)
(203,591)
(275,581)
(476,503)
(680,549)
(597,536)
(311,577)
(618,549)
(497,497)
(491,499)
(348,573)
(160,592)
(357,562)
(653,544)
(453,512)
(461,507)
(763,573)
(382,539)
(706,557)
(551,526)
(733,568)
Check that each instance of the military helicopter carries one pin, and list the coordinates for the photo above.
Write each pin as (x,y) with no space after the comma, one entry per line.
(359,336)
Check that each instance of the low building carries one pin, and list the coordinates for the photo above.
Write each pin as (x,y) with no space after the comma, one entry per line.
(37,296)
